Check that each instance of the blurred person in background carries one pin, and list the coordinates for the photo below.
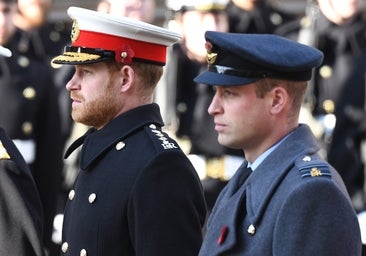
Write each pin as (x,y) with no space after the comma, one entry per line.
(29,113)
(194,126)
(43,37)
(143,10)
(256,16)
(350,148)
(21,219)
(337,28)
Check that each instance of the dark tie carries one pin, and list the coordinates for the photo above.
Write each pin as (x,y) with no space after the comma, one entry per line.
(246,171)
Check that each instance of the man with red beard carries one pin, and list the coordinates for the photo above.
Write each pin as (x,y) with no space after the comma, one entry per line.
(136,192)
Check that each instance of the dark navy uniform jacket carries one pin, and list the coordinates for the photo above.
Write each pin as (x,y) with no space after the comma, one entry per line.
(30,115)
(136,193)
(21,220)
(294,203)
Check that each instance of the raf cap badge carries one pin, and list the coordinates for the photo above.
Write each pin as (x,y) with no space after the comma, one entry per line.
(211,56)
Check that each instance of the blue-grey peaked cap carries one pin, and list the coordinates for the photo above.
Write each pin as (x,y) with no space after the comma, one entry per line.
(239,59)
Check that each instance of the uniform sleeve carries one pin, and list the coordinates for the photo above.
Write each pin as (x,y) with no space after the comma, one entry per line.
(167,208)
(21,217)
(317,219)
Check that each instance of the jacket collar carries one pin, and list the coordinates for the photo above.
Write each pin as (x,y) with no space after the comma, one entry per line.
(275,167)
(95,142)
(256,191)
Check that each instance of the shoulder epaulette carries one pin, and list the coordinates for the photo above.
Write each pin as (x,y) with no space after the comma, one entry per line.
(313,167)
(161,140)
(3,152)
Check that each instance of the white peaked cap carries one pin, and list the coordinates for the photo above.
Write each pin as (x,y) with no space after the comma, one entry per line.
(98,36)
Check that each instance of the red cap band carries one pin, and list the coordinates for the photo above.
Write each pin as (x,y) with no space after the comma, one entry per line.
(142,50)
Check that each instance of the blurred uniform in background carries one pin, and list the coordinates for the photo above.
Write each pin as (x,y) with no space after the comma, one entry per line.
(21,219)
(30,114)
(43,38)
(351,121)
(337,28)
(256,16)
(212,161)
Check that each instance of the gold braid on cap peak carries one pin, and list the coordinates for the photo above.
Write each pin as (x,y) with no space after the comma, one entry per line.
(77,57)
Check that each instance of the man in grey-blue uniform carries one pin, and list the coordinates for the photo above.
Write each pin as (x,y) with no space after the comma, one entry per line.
(136,193)
(284,200)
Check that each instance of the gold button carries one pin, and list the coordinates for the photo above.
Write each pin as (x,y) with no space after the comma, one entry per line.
(23,61)
(27,128)
(329,106)
(71,194)
(326,71)
(29,93)
(92,197)
(120,145)
(83,252)
(64,247)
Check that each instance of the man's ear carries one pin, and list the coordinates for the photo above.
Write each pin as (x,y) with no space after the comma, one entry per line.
(279,99)
(127,76)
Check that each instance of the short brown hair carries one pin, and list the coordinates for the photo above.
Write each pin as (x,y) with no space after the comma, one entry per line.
(148,74)
(295,89)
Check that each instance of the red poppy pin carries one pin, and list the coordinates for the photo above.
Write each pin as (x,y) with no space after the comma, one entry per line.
(124,55)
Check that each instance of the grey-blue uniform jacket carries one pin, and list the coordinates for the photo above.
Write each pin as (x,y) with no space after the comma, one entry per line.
(136,192)
(21,219)
(294,203)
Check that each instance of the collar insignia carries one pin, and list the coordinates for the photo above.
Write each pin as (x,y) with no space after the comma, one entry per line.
(3,152)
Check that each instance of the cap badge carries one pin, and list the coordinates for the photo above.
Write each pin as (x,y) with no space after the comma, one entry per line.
(75,32)
(211,56)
